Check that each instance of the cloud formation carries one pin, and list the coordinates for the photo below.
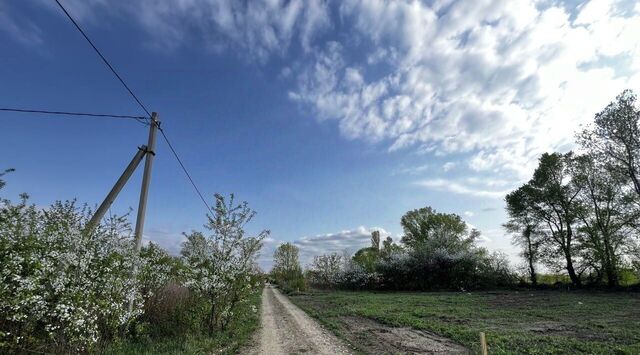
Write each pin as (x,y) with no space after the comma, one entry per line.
(20,29)
(258,29)
(497,81)
(348,241)
(493,83)
(462,188)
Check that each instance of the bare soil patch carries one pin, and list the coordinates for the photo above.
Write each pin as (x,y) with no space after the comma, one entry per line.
(376,338)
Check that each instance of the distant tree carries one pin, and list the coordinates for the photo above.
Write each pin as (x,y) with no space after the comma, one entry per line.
(608,214)
(287,271)
(615,138)
(325,268)
(220,266)
(367,257)
(525,230)
(375,240)
(425,227)
(286,257)
(389,249)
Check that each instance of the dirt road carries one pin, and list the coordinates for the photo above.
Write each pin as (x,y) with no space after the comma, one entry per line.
(288,330)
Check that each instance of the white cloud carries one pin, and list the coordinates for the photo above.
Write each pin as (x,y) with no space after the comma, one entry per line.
(257,29)
(19,28)
(469,213)
(167,239)
(411,170)
(346,240)
(498,82)
(462,189)
(446,167)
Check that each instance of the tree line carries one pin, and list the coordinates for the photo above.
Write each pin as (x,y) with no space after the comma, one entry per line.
(438,251)
(579,212)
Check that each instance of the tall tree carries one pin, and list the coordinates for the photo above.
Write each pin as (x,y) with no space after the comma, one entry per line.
(525,230)
(287,271)
(615,138)
(607,212)
(425,227)
(551,197)
(285,258)
(375,240)
(367,257)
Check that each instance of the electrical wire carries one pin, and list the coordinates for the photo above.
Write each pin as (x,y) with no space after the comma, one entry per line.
(175,154)
(103,58)
(141,119)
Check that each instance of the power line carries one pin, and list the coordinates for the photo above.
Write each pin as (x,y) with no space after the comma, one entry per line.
(141,119)
(175,154)
(103,58)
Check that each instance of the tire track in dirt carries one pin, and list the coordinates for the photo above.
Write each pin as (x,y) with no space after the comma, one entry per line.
(286,329)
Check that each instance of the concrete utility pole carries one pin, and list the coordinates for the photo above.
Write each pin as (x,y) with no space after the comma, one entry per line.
(146,178)
(148,151)
(104,207)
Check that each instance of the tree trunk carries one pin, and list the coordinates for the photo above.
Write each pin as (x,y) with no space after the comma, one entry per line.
(532,273)
(212,319)
(531,258)
(575,279)
(610,267)
(572,272)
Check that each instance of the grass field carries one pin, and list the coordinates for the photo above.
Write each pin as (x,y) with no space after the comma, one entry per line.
(533,322)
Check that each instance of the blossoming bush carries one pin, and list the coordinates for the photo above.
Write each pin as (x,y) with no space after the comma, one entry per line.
(64,289)
(355,277)
(60,287)
(220,267)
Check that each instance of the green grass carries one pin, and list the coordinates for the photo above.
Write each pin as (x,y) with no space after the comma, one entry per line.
(229,341)
(533,322)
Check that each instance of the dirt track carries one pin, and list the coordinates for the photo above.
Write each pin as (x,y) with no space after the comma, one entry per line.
(288,330)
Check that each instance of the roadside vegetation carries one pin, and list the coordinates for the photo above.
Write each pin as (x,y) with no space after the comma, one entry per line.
(67,289)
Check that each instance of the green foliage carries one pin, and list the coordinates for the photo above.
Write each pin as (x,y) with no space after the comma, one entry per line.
(614,138)
(531,322)
(368,257)
(551,199)
(425,227)
(287,272)
(180,330)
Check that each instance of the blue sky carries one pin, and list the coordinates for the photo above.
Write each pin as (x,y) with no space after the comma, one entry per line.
(329,118)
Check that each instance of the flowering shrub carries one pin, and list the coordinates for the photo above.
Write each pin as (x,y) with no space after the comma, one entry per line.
(356,277)
(59,286)
(221,267)
(155,270)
